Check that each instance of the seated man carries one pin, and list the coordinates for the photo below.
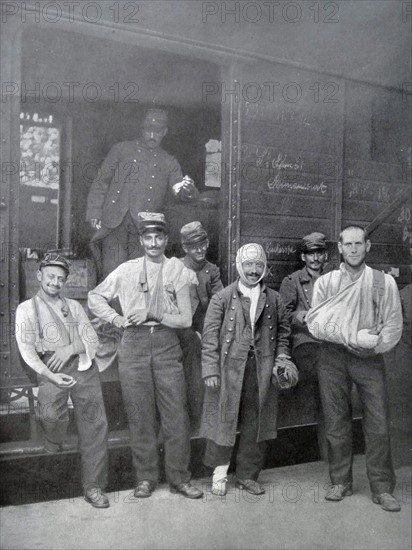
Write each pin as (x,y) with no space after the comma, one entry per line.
(154,297)
(56,340)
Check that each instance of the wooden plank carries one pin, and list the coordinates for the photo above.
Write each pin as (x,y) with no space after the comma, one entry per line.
(281,226)
(366,211)
(311,139)
(374,171)
(356,189)
(284,204)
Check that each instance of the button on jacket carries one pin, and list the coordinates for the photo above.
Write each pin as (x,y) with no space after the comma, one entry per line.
(132,178)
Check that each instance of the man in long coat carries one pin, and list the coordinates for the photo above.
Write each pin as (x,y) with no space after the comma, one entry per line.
(245,341)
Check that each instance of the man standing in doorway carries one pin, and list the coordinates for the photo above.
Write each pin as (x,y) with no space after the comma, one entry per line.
(153,292)
(136,176)
(363,320)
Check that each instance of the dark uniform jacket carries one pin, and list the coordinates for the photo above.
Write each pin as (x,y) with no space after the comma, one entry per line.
(226,343)
(296,291)
(132,178)
(208,276)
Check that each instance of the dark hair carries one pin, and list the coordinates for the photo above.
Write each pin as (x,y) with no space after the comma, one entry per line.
(353,226)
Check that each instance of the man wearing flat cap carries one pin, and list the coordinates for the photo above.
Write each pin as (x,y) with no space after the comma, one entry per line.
(195,242)
(296,290)
(136,176)
(154,297)
(56,340)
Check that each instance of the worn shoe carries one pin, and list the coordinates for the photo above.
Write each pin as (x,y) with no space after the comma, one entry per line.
(219,487)
(96,498)
(251,486)
(144,489)
(337,492)
(387,502)
(187,490)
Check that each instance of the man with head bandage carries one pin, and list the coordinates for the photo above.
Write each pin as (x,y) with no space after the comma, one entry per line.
(245,347)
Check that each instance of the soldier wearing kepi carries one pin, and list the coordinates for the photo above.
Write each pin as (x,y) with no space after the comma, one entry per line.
(195,242)
(154,295)
(57,341)
(136,176)
(296,291)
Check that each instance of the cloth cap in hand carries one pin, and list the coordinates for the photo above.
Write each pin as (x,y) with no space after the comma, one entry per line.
(55,259)
(313,241)
(151,221)
(285,373)
(193,233)
(155,118)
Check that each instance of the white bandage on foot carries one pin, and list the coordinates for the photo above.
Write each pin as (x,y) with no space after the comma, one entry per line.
(220,480)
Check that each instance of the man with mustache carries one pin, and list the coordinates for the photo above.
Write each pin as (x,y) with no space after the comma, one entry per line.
(136,176)
(296,291)
(245,347)
(154,296)
(364,321)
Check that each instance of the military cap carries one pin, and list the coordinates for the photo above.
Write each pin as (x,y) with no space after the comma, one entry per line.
(313,241)
(193,233)
(155,118)
(55,259)
(151,221)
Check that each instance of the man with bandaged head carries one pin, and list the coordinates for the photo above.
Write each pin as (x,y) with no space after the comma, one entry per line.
(245,360)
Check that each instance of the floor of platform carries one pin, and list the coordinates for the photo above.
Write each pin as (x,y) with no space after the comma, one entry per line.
(291,515)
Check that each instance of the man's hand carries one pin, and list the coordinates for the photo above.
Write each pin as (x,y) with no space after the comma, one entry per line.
(59,358)
(137,318)
(96,224)
(186,187)
(63,381)
(300,316)
(121,322)
(285,373)
(212,381)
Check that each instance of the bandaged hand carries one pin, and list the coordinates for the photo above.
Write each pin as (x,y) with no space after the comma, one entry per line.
(284,374)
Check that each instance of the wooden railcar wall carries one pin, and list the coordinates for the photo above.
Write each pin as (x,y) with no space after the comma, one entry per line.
(337,155)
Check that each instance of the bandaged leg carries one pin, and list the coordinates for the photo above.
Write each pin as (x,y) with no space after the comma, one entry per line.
(220,480)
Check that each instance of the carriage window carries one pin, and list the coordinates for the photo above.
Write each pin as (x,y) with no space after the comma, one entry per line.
(39,182)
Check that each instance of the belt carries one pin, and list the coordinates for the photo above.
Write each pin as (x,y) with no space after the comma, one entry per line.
(146,328)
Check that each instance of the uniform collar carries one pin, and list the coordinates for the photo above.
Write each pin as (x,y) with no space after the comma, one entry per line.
(187,260)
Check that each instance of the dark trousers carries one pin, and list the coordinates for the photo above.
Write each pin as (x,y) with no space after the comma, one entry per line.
(90,416)
(152,380)
(112,247)
(338,368)
(192,366)
(306,394)
(250,455)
